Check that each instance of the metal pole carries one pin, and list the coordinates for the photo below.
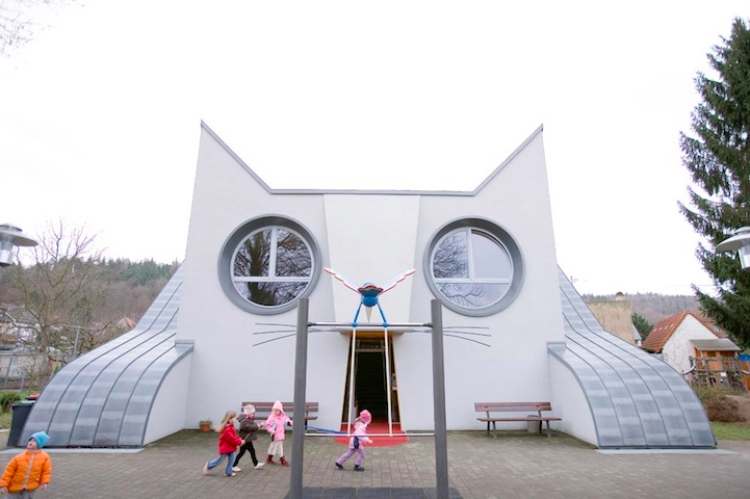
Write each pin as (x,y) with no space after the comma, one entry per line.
(75,343)
(388,383)
(7,374)
(438,384)
(300,386)
(352,360)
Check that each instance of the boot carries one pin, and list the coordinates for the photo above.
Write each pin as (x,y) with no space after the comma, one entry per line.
(284,462)
(269,459)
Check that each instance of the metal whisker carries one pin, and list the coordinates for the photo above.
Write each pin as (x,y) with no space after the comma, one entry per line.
(279,331)
(467,339)
(275,339)
(451,332)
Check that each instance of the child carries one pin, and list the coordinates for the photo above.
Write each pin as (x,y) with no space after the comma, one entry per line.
(228,442)
(355,443)
(28,471)
(248,433)
(275,426)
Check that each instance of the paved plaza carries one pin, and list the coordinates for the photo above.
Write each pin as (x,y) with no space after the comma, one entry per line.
(514,465)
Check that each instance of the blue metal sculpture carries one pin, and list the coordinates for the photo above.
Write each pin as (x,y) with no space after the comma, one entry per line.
(370,292)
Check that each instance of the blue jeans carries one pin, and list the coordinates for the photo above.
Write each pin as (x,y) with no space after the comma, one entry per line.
(213,463)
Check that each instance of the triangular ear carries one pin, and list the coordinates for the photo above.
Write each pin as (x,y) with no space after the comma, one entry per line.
(398,279)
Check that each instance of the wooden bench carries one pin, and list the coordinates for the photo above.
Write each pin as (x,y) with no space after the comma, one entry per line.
(505,407)
(263,409)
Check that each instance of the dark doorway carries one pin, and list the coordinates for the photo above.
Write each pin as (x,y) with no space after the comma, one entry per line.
(370,388)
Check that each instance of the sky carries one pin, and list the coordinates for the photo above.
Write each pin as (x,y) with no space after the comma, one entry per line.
(100,114)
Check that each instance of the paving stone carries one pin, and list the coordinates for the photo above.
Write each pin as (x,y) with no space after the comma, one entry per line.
(516,465)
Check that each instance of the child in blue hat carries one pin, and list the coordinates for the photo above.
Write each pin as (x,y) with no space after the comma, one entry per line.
(29,470)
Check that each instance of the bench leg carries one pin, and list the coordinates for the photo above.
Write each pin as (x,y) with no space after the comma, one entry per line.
(549,434)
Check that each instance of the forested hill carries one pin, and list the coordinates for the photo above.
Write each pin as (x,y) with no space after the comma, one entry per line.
(652,306)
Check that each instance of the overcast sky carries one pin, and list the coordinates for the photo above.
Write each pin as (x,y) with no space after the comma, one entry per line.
(100,114)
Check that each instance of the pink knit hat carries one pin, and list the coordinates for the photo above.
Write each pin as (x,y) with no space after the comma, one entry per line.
(277,405)
(365,416)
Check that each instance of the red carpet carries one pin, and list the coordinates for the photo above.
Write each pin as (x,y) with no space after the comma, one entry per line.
(378,428)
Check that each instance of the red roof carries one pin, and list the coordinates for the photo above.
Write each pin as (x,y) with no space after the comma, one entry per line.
(663,330)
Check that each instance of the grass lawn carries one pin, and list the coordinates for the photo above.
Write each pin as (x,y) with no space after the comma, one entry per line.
(5,418)
(731,431)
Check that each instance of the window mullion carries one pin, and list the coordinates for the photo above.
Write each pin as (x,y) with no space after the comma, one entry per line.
(470,255)
(272,256)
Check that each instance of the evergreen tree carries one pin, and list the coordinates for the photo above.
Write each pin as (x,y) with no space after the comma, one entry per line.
(718,158)
(642,325)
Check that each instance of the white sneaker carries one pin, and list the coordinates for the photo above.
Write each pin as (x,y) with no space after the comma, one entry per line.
(236,468)
(259,466)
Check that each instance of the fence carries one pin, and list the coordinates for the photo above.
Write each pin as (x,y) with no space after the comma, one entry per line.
(725,371)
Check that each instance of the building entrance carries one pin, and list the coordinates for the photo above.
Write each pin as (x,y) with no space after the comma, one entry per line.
(370,387)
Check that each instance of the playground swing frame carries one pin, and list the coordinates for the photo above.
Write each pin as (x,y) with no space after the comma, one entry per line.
(438,382)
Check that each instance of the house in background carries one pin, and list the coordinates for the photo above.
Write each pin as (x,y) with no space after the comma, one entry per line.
(616,317)
(689,344)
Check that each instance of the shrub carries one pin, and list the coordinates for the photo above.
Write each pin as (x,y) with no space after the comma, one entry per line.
(7,399)
(718,406)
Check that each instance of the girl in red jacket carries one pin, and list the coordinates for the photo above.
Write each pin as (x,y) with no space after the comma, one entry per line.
(228,442)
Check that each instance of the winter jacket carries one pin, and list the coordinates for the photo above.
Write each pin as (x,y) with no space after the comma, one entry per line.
(248,428)
(360,432)
(40,472)
(275,426)
(228,440)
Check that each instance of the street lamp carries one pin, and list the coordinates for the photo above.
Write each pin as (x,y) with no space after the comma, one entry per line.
(11,236)
(739,242)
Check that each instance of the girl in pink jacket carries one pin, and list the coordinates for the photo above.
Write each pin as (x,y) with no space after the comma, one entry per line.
(356,442)
(275,426)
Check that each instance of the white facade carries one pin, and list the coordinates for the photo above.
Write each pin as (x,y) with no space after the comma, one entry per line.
(369,237)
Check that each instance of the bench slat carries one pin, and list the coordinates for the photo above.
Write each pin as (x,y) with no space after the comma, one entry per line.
(512,406)
(535,418)
(265,407)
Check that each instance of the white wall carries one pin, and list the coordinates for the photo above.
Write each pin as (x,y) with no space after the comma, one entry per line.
(678,349)
(168,412)
(570,404)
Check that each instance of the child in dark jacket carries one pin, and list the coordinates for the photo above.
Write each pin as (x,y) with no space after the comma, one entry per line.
(248,433)
(228,442)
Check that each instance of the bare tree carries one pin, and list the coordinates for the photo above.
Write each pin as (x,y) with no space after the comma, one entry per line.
(64,295)
(19,21)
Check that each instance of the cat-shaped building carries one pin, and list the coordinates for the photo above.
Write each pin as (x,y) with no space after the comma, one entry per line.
(222,331)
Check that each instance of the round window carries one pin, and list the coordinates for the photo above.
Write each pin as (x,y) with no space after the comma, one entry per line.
(268,264)
(475,267)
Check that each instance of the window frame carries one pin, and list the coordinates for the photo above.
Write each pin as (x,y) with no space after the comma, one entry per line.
(231,247)
(500,236)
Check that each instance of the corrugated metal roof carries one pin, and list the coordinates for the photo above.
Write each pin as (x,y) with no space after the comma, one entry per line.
(717,345)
